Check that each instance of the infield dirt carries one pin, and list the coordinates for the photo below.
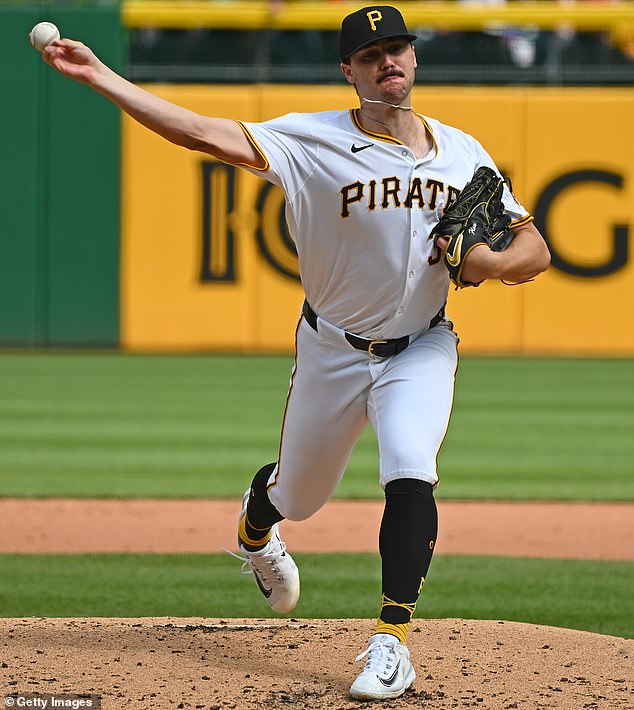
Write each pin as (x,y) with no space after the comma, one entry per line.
(150,664)
(466,528)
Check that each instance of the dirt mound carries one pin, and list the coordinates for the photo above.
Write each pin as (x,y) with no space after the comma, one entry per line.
(163,663)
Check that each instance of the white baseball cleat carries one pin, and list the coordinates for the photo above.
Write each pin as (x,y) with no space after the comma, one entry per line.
(388,671)
(273,570)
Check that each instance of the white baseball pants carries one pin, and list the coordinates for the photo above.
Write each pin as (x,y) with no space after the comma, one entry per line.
(335,390)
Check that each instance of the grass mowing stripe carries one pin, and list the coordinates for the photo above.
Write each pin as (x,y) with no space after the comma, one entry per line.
(110,424)
(588,595)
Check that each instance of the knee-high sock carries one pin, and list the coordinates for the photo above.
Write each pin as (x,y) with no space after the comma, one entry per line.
(406,542)
(255,526)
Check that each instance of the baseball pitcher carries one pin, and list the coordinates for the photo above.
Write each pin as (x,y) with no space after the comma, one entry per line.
(386,207)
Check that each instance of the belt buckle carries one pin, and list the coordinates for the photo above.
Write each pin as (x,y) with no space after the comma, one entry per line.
(372,344)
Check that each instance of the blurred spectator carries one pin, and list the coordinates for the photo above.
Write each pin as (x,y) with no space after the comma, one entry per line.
(567,46)
(466,47)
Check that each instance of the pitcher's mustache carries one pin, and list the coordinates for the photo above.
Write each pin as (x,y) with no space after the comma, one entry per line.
(392,72)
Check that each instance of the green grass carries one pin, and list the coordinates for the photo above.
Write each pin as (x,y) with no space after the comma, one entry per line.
(593,596)
(110,424)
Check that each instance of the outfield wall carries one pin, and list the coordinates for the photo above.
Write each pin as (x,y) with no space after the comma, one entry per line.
(207,262)
(59,187)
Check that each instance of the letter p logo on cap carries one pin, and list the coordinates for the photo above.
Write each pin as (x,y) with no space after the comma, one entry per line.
(374,16)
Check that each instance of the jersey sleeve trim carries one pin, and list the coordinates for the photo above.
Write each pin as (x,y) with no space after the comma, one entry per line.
(257,147)
(354,115)
(526,219)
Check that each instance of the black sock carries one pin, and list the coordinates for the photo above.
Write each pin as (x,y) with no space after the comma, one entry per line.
(406,543)
(261,513)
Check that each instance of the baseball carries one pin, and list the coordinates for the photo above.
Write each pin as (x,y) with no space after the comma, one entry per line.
(43,34)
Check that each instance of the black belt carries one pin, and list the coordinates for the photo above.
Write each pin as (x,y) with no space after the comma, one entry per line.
(378,348)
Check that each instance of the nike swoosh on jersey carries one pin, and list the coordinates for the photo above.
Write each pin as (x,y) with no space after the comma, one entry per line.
(390,681)
(355,149)
(454,258)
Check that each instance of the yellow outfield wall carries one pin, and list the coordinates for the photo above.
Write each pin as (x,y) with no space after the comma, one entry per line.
(207,263)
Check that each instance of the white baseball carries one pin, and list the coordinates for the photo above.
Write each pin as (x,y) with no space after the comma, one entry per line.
(43,34)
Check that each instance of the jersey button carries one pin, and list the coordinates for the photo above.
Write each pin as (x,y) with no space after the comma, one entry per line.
(400,310)
(404,153)
(415,234)
(411,273)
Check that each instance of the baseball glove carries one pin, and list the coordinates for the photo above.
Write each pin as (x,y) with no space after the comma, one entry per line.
(476,217)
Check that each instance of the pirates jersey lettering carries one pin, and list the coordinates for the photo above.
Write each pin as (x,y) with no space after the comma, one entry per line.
(393,194)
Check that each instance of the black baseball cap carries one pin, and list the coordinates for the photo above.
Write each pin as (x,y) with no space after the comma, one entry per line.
(369,25)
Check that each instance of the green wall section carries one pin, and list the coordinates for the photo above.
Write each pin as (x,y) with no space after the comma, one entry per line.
(59,187)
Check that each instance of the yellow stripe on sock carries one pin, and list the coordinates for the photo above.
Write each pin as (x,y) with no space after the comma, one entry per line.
(398,630)
(247,521)
(409,608)
(244,538)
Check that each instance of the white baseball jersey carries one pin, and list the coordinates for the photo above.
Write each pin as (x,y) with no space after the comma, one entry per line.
(360,207)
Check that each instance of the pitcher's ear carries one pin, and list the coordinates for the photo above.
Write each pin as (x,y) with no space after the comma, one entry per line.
(347,72)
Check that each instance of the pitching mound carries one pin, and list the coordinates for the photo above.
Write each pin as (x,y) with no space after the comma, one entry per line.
(162,663)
